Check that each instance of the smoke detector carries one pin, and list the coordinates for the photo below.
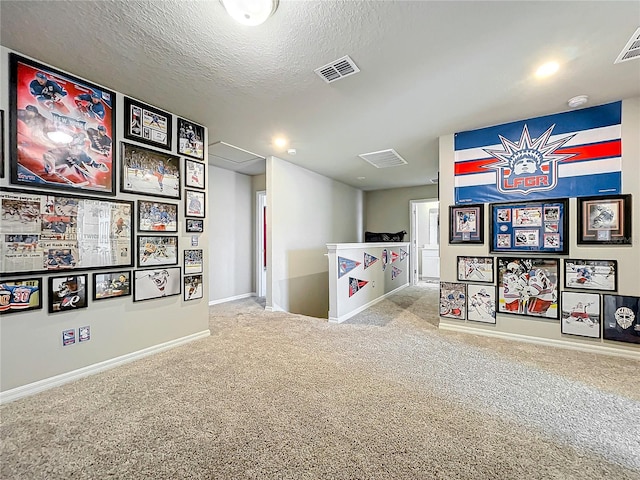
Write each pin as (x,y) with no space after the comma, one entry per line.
(338,69)
(577,101)
(631,50)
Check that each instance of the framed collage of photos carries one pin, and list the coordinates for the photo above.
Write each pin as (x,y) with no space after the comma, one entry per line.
(157,250)
(466,224)
(146,124)
(68,292)
(111,285)
(157,216)
(194,174)
(20,295)
(156,283)
(604,220)
(591,275)
(531,227)
(475,269)
(194,205)
(149,172)
(190,139)
(581,314)
(60,128)
(62,232)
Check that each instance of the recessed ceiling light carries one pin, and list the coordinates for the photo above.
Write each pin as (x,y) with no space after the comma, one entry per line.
(547,69)
(280,142)
(577,101)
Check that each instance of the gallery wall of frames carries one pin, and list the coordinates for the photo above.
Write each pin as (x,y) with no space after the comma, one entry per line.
(540,229)
(102,197)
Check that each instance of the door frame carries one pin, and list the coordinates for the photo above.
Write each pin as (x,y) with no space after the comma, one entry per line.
(414,275)
(261,268)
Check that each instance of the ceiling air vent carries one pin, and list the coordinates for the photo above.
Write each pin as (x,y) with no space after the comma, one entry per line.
(343,67)
(383,158)
(631,50)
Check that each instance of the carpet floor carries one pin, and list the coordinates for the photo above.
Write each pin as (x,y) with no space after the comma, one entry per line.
(385,395)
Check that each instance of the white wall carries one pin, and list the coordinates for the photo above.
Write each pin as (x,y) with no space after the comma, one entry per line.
(388,210)
(305,212)
(31,342)
(231,231)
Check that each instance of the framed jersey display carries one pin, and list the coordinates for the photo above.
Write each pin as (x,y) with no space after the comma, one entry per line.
(528,286)
(604,220)
(466,224)
(61,129)
(190,139)
(531,227)
(62,232)
(149,172)
(146,124)
(20,295)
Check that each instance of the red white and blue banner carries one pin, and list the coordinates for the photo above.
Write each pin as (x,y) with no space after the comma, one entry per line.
(345,265)
(369,260)
(355,285)
(570,154)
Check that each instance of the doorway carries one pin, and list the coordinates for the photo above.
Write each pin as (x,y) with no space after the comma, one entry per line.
(425,232)
(261,243)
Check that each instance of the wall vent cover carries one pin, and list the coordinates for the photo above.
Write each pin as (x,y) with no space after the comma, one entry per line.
(341,68)
(631,50)
(384,158)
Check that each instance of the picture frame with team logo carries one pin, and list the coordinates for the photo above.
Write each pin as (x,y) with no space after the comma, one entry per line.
(481,303)
(144,171)
(111,285)
(158,250)
(530,227)
(621,318)
(146,124)
(67,292)
(581,314)
(156,283)
(191,139)
(61,129)
(195,174)
(582,274)
(193,287)
(194,204)
(475,269)
(466,224)
(20,295)
(156,216)
(604,220)
(194,225)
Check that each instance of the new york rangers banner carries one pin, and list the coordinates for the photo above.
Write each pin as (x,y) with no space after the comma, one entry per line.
(571,154)
(345,265)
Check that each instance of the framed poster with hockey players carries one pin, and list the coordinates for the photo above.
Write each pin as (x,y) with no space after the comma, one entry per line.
(60,129)
(149,172)
(20,295)
(68,292)
(194,174)
(591,274)
(581,314)
(190,139)
(475,269)
(157,250)
(157,216)
(156,283)
(146,124)
(466,224)
(604,220)
(194,204)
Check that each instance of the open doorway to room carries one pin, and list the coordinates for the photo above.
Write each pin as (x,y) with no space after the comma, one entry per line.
(425,250)
(261,243)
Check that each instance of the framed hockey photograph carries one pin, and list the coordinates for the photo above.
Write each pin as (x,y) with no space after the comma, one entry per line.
(621,318)
(111,285)
(60,129)
(604,220)
(530,227)
(581,314)
(192,287)
(194,225)
(148,172)
(193,261)
(453,302)
(20,295)
(591,275)
(481,303)
(194,204)
(146,124)
(1,143)
(466,224)
(156,283)
(475,269)
(528,286)
(157,250)
(157,216)
(190,139)
(194,174)
(68,292)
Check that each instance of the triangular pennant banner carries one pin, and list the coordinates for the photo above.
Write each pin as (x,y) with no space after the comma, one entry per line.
(395,272)
(345,265)
(385,259)
(355,285)
(369,260)
(403,254)
(394,256)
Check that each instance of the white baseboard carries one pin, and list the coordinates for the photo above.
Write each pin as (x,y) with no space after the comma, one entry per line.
(602,349)
(347,316)
(231,299)
(47,383)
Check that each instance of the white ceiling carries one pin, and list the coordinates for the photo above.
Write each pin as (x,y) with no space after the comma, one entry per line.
(427,68)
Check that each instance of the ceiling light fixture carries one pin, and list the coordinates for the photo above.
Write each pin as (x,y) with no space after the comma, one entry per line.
(280,142)
(250,12)
(577,101)
(547,69)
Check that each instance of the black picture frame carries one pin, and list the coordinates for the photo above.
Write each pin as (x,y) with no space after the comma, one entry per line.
(77,115)
(581,314)
(540,226)
(155,216)
(453,303)
(195,174)
(162,282)
(68,292)
(157,250)
(604,220)
(194,225)
(146,124)
(1,143)
(481,303)
(475,269)
(111,285)
(621,318)
(519,277)
(144,171)
(191,139)
(20,295)
(600,275)
(466,224)
(193,287)
(195,203)
(193,261)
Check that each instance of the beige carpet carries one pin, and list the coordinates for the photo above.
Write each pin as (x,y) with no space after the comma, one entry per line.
(383,396)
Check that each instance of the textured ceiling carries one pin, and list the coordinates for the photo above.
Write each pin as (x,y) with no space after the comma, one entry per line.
(427,68)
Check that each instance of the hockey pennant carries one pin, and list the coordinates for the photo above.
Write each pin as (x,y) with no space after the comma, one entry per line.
(395,271)
(345,265)
(394,256)
(355,285)
(403,254)
(385,259)
(369,260)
